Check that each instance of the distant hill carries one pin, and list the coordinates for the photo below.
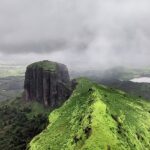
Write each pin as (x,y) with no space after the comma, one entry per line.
(10,87)
(11,80)
(97,118)
(119,78)
(141,90)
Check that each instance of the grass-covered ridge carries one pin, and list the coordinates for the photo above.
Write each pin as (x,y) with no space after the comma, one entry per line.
(97,118)
(45,65)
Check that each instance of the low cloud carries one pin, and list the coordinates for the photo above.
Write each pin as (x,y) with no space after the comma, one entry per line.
(84,33)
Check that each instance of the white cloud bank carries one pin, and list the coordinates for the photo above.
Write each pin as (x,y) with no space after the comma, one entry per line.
(87,33)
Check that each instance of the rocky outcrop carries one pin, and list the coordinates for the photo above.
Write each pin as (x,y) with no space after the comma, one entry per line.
(48,83)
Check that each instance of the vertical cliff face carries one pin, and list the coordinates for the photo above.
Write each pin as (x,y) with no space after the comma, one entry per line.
(47,82)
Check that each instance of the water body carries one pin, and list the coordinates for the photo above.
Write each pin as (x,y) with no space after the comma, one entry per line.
(141,80)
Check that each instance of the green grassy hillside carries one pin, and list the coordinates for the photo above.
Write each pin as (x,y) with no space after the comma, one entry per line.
(97,118)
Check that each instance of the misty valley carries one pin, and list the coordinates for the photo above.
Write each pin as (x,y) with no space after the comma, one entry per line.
(12,82)
(74,74)
(23,122)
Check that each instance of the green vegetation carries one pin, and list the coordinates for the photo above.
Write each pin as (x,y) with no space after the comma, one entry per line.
(93,118)
(20,122)
(97,118)
(46,65)
(140,90)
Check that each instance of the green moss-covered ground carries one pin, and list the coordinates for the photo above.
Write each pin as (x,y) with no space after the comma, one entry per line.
(45,65)
(97,118)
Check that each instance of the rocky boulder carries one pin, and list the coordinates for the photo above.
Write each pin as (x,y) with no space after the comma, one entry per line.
(48,83)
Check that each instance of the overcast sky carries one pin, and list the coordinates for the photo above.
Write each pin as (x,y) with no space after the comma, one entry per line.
(79,33)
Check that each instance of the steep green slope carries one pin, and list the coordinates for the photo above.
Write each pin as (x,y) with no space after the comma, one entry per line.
(20,122)
(97,118)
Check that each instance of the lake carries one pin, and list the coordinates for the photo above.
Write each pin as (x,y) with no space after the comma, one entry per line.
(141,80)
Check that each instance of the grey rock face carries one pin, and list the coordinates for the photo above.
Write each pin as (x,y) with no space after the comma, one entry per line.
(48,83)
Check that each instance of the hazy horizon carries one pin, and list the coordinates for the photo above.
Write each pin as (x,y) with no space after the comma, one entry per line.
(82,33)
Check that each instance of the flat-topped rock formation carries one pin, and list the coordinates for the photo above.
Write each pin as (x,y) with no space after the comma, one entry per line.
(48,83)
